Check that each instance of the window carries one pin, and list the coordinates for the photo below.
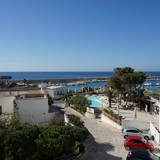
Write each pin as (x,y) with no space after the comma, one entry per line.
(134,131)
(137,141)
(140,131)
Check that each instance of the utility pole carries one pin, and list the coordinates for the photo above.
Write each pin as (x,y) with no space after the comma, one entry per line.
(44,116)
(118,107)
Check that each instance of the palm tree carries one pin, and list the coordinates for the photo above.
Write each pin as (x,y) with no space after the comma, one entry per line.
(67,98)
(110,93)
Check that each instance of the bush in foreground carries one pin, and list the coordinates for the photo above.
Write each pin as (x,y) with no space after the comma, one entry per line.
(41,142)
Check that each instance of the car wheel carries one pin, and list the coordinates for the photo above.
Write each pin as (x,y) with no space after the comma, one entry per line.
(128,148)
(152,138)
(126,136)
(146,138)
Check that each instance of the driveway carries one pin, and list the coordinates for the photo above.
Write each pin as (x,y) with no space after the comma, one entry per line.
(104,141)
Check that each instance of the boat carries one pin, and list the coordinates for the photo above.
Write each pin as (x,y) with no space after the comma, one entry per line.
(147,84)
(157,84)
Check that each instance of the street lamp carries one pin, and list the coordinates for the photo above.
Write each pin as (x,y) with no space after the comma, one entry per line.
(32,118)
(118,107)
(44,116)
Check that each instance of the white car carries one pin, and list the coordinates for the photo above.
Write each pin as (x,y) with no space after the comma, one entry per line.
(128,131)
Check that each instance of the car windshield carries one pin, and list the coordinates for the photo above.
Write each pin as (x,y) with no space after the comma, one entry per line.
(140,131)
(154,157)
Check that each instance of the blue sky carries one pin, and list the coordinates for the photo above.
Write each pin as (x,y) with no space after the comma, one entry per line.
(79,35)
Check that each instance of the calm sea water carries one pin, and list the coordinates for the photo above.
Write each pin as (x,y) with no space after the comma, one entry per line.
(62,75)
(55,75)
(70,75)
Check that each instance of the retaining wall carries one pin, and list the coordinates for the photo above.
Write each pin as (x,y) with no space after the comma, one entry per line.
(105,119)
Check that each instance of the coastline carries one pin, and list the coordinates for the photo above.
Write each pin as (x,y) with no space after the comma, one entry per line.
(60,80)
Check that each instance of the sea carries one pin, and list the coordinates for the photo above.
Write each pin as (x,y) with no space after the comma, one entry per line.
(55,75)
(71,75)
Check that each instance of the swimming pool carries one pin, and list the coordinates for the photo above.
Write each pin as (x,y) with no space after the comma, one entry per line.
(94,101)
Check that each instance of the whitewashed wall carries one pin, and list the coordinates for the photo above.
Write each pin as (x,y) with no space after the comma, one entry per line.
(56,92)
(155,133)
(105,119)
(7,104)
(33,110)
(15,93)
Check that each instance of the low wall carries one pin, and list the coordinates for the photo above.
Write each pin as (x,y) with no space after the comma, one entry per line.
(66,119)
(19,92)
(155,133)
(90,113)
(105,119)
(141,124)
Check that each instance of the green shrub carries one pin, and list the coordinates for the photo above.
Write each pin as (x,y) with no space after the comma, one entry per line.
(41,142)
(76,121)
(57,121)
(113,114)
(79,103)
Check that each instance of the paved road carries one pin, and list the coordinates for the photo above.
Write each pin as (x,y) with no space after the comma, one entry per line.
(142,120)
(104,141)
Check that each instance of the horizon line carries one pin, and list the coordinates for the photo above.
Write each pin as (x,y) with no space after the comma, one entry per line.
(80,71)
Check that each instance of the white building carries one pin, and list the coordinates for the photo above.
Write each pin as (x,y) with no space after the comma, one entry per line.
(55,92)
(6,104)
(6,109)
(154,130)
(33,108)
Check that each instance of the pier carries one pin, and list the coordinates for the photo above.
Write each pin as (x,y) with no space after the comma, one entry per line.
(5,77)
(153,78)
(84,82)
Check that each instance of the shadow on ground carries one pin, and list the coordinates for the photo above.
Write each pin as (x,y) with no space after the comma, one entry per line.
(97,151)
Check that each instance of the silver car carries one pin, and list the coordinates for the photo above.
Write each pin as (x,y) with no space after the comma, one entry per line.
(128,131)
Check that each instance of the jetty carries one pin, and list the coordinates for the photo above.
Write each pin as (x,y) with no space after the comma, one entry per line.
(85,82)
(5,77)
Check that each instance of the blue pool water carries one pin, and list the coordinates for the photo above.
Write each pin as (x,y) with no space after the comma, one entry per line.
(94,101)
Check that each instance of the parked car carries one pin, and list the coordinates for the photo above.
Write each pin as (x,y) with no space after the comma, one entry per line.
(136,154)
(136,142)
(135,131)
